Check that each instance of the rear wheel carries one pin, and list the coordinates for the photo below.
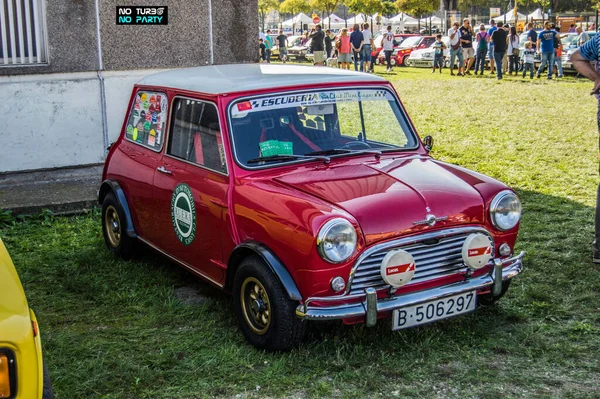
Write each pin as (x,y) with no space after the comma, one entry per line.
(47,390)
(266,315)
(114,226)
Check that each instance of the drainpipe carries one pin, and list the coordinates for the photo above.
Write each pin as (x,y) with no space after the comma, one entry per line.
(101,80)
(210,33)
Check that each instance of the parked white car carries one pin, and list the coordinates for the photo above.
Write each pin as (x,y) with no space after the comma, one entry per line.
(424,57)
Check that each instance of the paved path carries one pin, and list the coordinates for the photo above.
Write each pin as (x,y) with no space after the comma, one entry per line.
(63,191)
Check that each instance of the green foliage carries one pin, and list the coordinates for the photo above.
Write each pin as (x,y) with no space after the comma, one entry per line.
(366,7)
(265,7)
(113,329)
(6,217)
(294,6)
(417,8)
(326,6)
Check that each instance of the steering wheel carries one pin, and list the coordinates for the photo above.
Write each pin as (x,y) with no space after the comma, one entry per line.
(355,144)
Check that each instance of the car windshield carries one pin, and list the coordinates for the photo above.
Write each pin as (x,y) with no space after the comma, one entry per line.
(410,42)
(318,124)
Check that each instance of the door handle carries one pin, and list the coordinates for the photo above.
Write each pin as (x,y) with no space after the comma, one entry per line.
(164,170)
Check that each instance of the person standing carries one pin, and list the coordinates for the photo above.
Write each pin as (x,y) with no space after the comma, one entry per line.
(388,47)
(365,56)
(356,41)
(572,28)
(545,45)
(499,39)
(268,45)
(317,45)
(583,36)
(455,49)
(466,42)
(532,35)
(344,49)
(513,51)
(282,46)
(438,58)
(329,39)
(482,40)
(558,48)
(491,30)
(582,60)
(528,56)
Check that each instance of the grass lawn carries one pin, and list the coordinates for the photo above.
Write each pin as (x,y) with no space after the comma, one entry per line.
(147,329)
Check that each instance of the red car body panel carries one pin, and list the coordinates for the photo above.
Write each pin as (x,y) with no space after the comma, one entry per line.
(284,207)
(425,42)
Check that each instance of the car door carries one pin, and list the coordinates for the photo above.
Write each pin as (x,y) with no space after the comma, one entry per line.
(139,154)
(191,187)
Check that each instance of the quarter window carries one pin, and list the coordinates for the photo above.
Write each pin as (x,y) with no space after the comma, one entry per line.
(195,135)
(147,119)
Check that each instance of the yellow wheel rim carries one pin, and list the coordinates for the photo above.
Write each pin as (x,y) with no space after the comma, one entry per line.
(112,225)
(255,305)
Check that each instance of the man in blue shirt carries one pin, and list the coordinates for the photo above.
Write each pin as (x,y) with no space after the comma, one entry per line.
(532,35)
(356,41)
(582,61)
(491,45)
(545,45)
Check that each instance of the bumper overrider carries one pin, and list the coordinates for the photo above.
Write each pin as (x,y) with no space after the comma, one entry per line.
(368,306)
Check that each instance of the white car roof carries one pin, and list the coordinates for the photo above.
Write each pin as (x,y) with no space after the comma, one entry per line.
(220,79)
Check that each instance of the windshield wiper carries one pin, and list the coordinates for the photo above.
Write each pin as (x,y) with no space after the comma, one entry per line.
(284,157)
(336,151)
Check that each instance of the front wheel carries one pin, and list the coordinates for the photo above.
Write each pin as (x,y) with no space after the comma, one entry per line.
(266,315)
(488,299)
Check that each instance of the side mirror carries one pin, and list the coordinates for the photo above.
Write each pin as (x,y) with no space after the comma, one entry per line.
(428,143)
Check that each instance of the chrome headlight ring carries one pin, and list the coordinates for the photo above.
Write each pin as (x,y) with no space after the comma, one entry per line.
(505,210)
(336,240)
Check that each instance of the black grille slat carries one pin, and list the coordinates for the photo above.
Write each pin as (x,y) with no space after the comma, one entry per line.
(432,260)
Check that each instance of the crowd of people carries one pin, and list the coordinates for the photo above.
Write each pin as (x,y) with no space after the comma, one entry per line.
(499,44)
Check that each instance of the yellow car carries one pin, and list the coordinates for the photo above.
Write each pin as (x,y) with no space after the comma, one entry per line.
(22,372)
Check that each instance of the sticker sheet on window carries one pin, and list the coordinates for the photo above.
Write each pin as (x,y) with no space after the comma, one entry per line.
(146,123)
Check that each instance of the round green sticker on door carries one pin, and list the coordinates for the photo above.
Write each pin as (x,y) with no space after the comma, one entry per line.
(183,214)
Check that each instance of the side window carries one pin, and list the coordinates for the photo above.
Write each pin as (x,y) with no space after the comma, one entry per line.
(195,135)
(147,119)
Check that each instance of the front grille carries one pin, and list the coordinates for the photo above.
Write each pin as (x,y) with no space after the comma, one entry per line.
(433,261)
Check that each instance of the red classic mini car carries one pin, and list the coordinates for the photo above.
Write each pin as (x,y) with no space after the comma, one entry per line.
(307,194)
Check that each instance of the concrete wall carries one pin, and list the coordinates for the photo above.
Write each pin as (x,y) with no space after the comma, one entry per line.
(51,115)
(55,120)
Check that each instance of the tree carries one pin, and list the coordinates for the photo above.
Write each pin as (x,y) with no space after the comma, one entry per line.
(265,7)
(326,6)
(389,7)
(418,8)
(365,7)
(294,7)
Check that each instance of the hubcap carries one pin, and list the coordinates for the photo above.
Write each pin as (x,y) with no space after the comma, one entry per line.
(255,305)
(113,226)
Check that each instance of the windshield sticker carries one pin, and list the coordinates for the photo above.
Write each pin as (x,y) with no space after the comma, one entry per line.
(275,147)
(183,214)
(301,100)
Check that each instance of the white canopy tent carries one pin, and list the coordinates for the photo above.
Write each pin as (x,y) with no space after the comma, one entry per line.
(537,15)
(299,19)
(402,17)
(433,20)
(510,17)
(383,20)
(336,22)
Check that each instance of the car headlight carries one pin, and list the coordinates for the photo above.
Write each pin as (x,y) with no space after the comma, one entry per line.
(426,55)
(336,240)
(505,210)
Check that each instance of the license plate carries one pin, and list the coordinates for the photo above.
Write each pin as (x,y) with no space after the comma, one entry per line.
(435,310)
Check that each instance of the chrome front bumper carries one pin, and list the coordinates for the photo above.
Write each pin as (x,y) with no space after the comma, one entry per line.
(369,306)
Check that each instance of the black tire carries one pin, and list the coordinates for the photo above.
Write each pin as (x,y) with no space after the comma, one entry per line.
(117,242)
(284,330)
(47,392)
(489,300)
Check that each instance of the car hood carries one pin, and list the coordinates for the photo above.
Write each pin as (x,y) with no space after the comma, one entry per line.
(419,53)
(389,198)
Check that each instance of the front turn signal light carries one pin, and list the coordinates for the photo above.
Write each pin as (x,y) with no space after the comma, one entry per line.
(4,377)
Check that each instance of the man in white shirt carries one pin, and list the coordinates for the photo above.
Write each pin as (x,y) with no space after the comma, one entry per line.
(583,36)
(455,49)
(388,47)
(365,57)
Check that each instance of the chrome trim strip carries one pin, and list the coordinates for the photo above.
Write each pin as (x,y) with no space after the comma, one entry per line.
(181,263)
(364,308)
(438,234)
